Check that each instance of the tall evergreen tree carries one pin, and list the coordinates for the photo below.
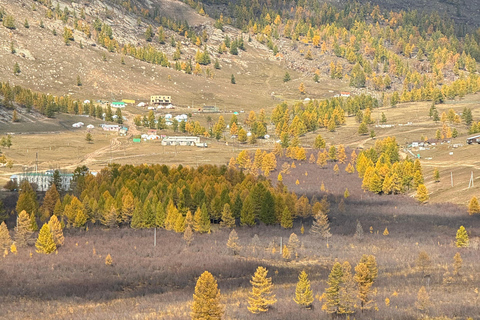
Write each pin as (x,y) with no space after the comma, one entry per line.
(267,212)
(228,221)
(202,219)
(232,242)
(261,297)
(5,240)
(56,230)
(364,284)
(321,225)
(45,243)
(303,291)
(347,290)
(23,231)
(332,292)
(206,299)
(462,238)
(473,206)
(51,197)
(247,215)
(27,200)
(128,206)
(286,220)
(109,218)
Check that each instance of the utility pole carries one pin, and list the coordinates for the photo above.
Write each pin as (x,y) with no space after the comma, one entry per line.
(451,178)
(155,237)
(471,183)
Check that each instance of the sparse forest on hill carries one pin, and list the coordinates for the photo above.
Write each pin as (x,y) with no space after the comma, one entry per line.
(310,200)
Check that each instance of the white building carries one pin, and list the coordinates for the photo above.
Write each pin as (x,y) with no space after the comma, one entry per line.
(181,141)
(43,180)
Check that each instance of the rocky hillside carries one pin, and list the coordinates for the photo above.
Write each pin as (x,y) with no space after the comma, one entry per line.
(110,49)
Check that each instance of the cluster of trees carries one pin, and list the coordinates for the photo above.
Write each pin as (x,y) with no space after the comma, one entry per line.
(171,198)
(261,160)
(49,238)
(48,104)
(103,33)
(231,46)
(344,295)
(374,43)
(146,53)
(295,121)
(383,172)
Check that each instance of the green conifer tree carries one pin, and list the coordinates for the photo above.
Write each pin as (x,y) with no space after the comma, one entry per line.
(286,220)
(332,292)
(303,291)
(228,221)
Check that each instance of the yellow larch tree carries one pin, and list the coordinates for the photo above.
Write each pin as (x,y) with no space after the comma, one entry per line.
(206,299)
(45,242)
(261,297)
(56,230)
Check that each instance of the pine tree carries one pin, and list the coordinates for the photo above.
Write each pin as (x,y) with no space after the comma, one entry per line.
(422,193)
(286,219)
(179,224)
(189,220)
(27,200)
(423,300)
(45,243)
(51,197)
(188,235)
(261,297)
(473,206)
(457,263)
(171,219)
(247,215)
(322,159)
(362,129)
(23,231)
(436,175)
(228,221)
(303,291)
(347,290)
(286,255)
(332,292)
(363,279)
(293,244)
(341,156)
(5,240)
(359,231)
(128,206)
(232,242)
(462,238)
(423,262)
(109,217)
(301,88)
(202,220)
(33,223)
(56,230)
(321,225)
(206,299)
